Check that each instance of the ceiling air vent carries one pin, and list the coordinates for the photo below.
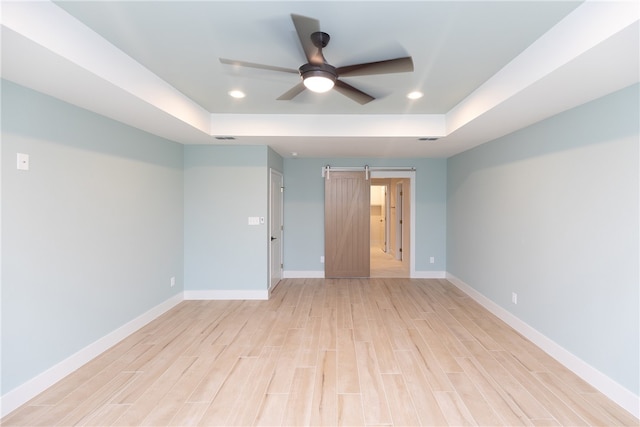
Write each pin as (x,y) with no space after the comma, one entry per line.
(225,138)
(428,138)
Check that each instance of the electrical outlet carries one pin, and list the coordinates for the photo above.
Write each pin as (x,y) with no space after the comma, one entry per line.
(514,298)
(432,260)
(322,259)
(172,281)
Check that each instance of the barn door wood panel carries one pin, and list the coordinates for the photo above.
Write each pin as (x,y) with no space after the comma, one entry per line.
(346,222)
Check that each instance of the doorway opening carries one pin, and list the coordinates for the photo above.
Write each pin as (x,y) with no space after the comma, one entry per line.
(389,255)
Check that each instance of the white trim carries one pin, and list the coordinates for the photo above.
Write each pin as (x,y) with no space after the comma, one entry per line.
(614,391)
(429,275)
(28,390)
(292,274)
(231,294)
(411,175)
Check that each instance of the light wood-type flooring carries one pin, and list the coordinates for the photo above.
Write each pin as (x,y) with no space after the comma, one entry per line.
(375,352)
(383,264)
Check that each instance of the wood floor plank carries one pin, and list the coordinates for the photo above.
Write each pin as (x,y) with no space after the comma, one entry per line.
(504,406)
(508,384)
(329,328)
(172,403)
(556,407)
(324,406)
(311,342)
(288,357)
(106,415)
(473,399)
(80,413)
(347,365)
(189,414)
(298,408)
(374,352)
(361,330)
(208,387)
(428,364)
(403,412)
(373,395)
(302,310)
(350,411)
(247,407)
(447,344)
(154,392)
(424,401)
(607,406)
(454,409)
(437,340)
(272,410)
(591,414)
(221,408)
(382,345)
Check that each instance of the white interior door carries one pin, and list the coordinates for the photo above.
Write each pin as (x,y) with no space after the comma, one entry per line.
(276,190)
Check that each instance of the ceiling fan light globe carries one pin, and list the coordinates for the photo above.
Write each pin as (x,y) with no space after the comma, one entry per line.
(318,84)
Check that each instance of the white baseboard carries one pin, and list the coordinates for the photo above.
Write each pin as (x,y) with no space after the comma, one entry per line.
(610,388)
(30,389)
(303,274)
(227,295)
(320,275)
(429,275)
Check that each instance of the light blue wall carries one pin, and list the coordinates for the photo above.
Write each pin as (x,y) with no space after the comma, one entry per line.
(224,185)
(304,210)
(551,213)
(275,161)
(91,234)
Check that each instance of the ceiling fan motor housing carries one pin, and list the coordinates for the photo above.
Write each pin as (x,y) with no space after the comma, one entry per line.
(320,39)
(325,70)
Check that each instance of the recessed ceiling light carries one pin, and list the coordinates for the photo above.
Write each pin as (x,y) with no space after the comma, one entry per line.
(236,94)
(294,154)
(415,95)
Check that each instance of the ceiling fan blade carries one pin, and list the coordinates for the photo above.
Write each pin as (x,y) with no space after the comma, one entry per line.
(351,92)
(292,93)
(260,66)
(398,65)
(305,27)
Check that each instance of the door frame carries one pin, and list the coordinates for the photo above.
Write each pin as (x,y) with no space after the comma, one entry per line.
(411,175)
(279,232)
(399,216)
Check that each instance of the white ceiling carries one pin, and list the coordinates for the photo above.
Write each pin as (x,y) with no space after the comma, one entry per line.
(486,68)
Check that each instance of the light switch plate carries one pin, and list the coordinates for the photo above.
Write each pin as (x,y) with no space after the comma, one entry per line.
(23,162)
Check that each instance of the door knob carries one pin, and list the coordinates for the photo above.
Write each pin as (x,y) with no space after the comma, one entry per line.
(273,238)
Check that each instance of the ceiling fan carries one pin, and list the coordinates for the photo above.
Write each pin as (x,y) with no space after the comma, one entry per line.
(320,76)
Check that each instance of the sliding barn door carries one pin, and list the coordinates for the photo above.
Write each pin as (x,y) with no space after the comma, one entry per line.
(346,224)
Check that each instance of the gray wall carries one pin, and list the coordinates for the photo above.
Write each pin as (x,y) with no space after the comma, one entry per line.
(91,234)
(224,185)
(551,213)
(304,210)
